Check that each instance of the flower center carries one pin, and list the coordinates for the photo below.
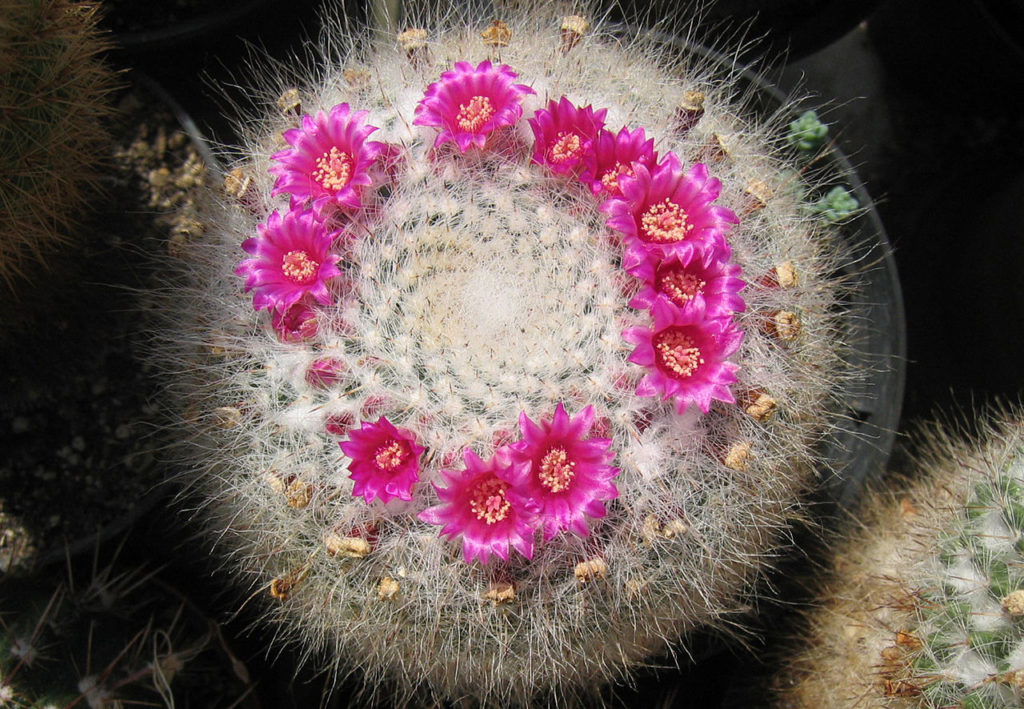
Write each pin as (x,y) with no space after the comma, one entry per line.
(677,353)
(334,169)
(488,501)
(556,470)
(664,223)
(567,147)
(390,456)
(298,267)
(679,286)
(610,179)
(474,114)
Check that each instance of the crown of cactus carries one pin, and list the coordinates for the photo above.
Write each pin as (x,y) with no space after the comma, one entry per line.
(925,606)
(505,359)
(53,90)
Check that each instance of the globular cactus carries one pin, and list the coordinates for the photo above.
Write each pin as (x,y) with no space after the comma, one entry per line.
(506,355)
(54,90)
(925,604)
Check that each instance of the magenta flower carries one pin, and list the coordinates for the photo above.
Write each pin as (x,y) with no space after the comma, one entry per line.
(670,211)
(698,277)
(685,355)
(613,156)
(468,104)
(385,461)
(564,135)
(296,323)
(481,504)
(291,259)
(567,473)
(329,161)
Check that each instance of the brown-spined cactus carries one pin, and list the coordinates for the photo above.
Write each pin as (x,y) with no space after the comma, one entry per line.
(924,605)
(54,90)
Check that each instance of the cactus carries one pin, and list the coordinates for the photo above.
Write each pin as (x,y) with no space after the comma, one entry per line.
(478,413)
(53,97)
(925,604)
(108,634)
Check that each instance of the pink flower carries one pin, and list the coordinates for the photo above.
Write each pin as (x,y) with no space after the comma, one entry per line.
(670,211)
(481,504)
(385,461)
(566,472)
(469,104)
(329,161)
(698,277)
(296,323)
(325,372)
(685,355)
(564,135)
(291,259)
(613,156)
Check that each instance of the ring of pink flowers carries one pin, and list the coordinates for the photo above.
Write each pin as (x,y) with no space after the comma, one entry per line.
(590,175)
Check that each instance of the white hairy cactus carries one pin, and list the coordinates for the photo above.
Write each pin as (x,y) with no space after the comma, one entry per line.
(475,300)
(925,604)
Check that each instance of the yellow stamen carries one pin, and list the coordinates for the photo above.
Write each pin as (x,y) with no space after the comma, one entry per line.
(556,470)
(298,267)
(474,114)
(664,223)
(677,353)
(334,169)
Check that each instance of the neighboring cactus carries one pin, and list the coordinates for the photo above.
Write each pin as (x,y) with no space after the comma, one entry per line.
(110,635)
(925,604)
(54,92)
(482,444)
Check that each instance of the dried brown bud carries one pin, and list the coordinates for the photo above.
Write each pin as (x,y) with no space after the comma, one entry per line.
(591,569)
(786,325)
(414,42)
(289,102)
(762,407)
(1014,603)
(497,35)
(237,184)
(299,493)
(738,457)
(757,194)
(674,528)
(282,588)
(387,589)
(717,149)
(689,111)
(574,28)
(346,547)
(634,588)
(500,592)
(275,482)
(786,275)
(651,531)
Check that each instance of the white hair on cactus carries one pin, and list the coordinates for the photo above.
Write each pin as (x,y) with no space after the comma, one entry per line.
(477,290)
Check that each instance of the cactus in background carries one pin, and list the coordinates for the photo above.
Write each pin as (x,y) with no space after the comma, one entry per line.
(109,635)
(504,359)
(53,97)
(925,604)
